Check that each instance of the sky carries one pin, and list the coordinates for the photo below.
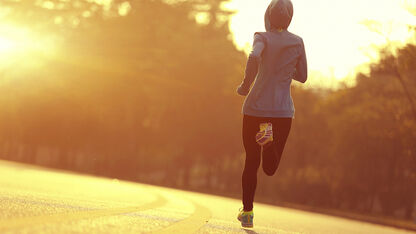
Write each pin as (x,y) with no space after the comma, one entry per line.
(336,38)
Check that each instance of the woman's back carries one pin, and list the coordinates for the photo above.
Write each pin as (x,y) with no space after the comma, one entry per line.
(278,56)
(280,61)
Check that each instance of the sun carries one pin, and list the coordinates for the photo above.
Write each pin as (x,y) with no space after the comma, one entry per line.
(13,40)
(22,46)
(6,45)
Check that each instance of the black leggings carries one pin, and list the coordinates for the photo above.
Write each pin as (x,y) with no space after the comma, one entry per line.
(271,154)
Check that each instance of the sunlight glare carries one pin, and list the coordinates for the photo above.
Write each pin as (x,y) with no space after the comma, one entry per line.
(23,46)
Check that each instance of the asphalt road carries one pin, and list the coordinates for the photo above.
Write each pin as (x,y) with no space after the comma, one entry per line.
(37,200)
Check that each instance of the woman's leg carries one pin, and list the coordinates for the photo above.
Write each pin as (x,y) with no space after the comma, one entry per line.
(273,153)
(252,162)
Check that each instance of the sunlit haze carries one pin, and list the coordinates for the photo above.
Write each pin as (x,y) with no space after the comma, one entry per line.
(336,37)
(111,110)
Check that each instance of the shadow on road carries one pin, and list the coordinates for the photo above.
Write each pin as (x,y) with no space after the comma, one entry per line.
(250,231)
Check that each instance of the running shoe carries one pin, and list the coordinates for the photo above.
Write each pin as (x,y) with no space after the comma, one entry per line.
(265,135)
(246,218)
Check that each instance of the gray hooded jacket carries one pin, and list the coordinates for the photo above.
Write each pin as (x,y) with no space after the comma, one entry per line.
(278,56)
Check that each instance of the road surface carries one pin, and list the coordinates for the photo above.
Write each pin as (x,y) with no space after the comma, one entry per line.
(37,200)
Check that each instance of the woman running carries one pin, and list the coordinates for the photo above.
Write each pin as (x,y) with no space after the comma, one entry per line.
(278,56)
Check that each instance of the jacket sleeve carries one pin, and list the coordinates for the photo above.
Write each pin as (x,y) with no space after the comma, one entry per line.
(252,65)
(301,73)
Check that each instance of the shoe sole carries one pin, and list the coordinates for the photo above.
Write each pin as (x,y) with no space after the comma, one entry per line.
(245,225)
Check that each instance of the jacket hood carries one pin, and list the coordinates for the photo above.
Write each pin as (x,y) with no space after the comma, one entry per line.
(278,15)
